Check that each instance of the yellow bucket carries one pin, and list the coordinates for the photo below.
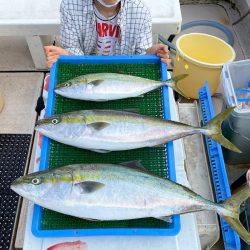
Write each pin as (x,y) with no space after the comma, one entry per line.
(201,56)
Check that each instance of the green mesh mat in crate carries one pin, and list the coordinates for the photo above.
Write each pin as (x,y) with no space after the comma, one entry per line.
(153,159)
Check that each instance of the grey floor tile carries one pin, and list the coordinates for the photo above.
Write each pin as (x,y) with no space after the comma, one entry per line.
(20,92)
(15,54)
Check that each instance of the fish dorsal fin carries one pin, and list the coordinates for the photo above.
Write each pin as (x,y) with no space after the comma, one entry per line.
(95,83)
(87,187)
(134,165)
(98,125)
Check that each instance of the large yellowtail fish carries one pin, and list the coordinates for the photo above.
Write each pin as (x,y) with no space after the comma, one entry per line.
(112,86)
(114,192)
(111,130)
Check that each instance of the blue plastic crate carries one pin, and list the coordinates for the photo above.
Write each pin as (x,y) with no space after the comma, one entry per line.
(218,170)
(37,215)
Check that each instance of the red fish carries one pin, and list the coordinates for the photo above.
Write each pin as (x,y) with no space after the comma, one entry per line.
(248,177)
(76,245)
(46,82)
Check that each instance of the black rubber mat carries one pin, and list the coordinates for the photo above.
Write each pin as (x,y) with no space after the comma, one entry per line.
(14,150)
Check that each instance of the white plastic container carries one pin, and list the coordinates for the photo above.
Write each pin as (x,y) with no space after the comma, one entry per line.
(234,76)
(166,17)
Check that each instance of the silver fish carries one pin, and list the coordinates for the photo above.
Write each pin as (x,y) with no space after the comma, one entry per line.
(115,192)
(112,86)
(110,130)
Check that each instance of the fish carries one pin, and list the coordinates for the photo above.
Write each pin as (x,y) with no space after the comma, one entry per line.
(112,86)
(115,130)
(109,192)
(75,245)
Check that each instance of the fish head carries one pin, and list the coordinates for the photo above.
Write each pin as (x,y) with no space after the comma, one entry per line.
(44,186)
(72,88)
(64,126)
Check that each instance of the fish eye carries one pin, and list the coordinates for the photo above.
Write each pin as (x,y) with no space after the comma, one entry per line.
(35,181)
(67,84)
(54,121)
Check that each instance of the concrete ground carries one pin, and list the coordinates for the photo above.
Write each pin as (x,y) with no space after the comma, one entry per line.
(20,83)
(20,92)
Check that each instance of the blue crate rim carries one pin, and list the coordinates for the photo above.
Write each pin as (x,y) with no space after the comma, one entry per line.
(37,212)
(141,59)
(218,169)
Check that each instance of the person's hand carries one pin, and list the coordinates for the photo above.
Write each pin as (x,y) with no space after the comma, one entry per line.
(162,51)
(53,53)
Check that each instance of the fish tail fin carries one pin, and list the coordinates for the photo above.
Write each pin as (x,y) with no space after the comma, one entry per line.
(173,83)
(233,203)
(213,130)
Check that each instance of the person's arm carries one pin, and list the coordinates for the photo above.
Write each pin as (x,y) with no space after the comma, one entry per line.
(145,45)
(71,39)
(162,51)
(53,53)
(144,39)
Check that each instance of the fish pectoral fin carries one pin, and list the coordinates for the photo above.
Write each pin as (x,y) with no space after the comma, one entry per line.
(95,83)
(132,110)
(87,187)
(133,165)
(98,125)
(103,151)
(121,72)
(167,219)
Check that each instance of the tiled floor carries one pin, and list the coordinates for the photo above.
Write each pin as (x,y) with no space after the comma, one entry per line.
(20,90)
(15,55)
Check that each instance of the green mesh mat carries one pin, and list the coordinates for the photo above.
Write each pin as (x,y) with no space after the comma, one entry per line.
(153,159)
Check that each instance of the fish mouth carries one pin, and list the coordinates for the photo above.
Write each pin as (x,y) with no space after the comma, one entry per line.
(14,188)
(16,181)
(38,125)
(63,91)
(15,185)
(41,129)
(59,86)
(22,186)
(59,90)
(37,128)
(44,122)
(21,190)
